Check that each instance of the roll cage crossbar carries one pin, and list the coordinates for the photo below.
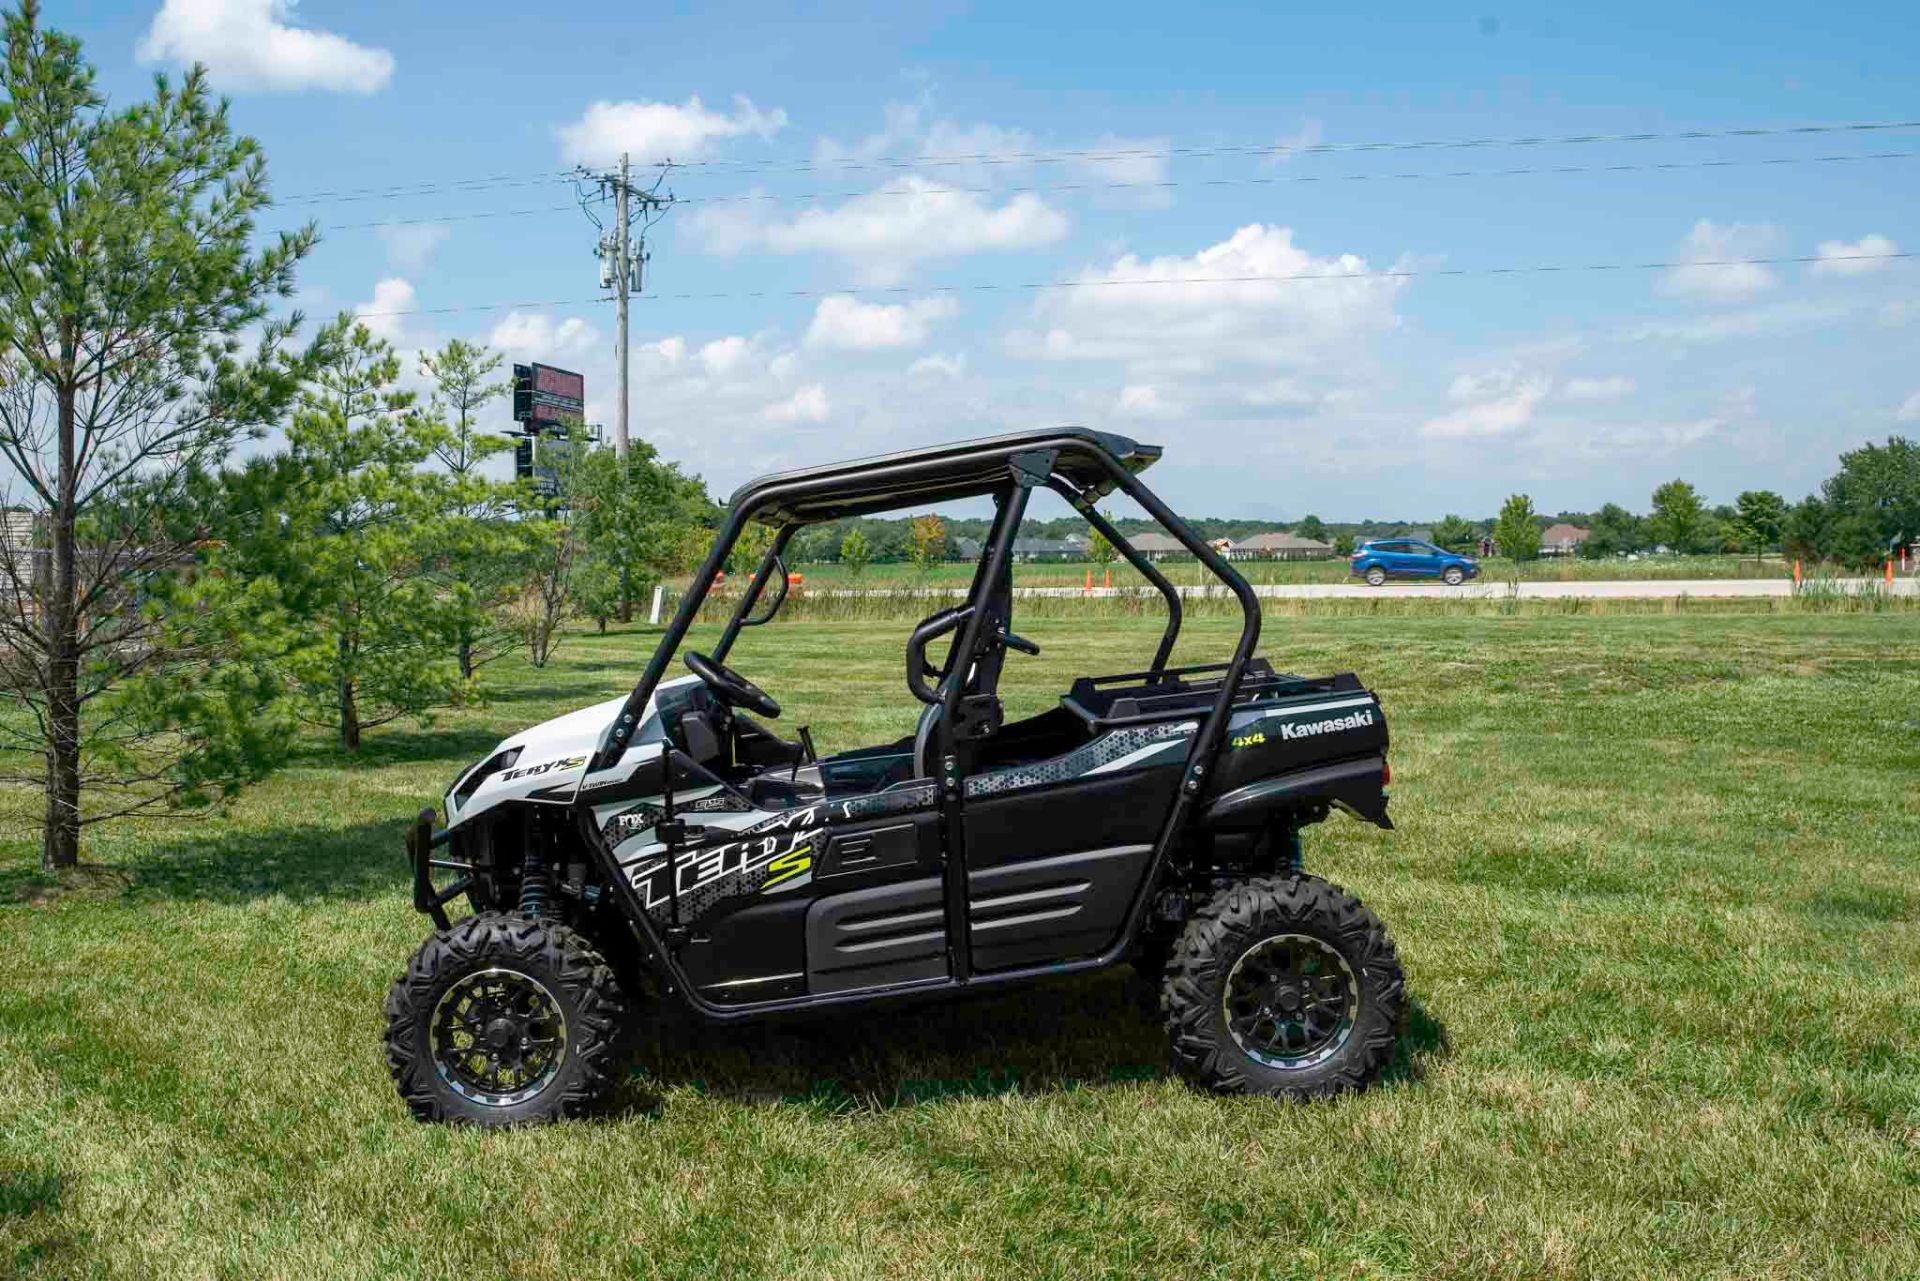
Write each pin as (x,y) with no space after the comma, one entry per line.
(1083,466)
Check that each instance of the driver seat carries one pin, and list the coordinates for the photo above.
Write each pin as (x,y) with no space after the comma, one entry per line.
(980,717)
(926,741)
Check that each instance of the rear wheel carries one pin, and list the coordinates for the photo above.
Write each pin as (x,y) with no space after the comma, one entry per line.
(504,1019)
(1453,576)
(1287,987)
(1376,576)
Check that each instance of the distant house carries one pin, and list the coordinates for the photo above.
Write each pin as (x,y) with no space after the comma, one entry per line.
(18,526)
(968,548)
(1281,546)
(1416,535)
(1563,539)
(1048,549)
(1155,546)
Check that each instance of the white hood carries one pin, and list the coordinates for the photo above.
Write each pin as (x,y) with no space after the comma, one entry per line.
(552,758)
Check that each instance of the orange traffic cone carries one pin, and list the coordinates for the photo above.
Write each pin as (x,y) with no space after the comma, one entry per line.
(1088,589)
(1109,582)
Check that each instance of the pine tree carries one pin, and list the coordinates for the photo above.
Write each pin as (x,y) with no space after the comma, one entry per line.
(128,281)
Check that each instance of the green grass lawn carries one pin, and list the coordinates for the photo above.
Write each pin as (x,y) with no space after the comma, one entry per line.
(1654,883)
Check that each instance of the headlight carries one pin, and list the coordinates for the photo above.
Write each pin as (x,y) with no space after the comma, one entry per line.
(466,786)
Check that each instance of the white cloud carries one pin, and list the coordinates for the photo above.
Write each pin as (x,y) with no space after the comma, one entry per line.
(1576,438)
(885,233)
(1752,322)
(843,321)
(668,351)
(1280,393)
(906,132)
(1142,400)
(1232,302)
(537,335)
(655,131)
(1909,411)
(938,365)
(1612,387)
(1495,404)
(251,44)
(723,356)
(411,248)
(1711,242)
(1861,257)
(391,295)
(807,405)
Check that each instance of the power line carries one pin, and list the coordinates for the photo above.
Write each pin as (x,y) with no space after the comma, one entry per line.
(1302,277)
(1255,181)
(396,191)
(1298,149)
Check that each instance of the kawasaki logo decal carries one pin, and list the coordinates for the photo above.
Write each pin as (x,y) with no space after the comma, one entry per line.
(1332,725)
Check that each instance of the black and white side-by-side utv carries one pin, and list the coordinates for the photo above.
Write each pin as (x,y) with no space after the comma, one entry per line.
(670,842)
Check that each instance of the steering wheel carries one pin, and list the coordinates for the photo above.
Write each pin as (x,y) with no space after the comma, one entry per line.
(730,687)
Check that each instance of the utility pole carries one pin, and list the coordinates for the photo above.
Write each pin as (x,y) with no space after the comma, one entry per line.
(621,236)
(623,258)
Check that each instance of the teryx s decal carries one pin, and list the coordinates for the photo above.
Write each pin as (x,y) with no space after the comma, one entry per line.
(565,762)
(788,866)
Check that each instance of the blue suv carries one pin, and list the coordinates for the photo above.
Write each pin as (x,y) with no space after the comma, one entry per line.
(1381,559)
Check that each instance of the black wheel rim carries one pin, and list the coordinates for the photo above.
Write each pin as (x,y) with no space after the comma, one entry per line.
(1290,1001)
(498,1037)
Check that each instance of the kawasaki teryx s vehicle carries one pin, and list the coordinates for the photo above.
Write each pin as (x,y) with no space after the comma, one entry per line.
(675,845)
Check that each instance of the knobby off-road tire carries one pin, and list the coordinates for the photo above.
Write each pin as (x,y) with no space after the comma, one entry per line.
(1287,986)
(505,1019)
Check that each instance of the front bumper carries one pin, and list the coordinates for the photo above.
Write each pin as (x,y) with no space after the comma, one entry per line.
(422,840)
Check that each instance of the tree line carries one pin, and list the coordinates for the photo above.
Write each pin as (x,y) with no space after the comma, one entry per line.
(1862,514)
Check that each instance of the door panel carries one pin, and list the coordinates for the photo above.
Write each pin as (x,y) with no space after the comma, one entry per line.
(1053,866)
(882,934)
(1052,908)
(1125,808)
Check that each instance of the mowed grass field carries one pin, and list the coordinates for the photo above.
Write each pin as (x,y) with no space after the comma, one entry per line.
(1654,883)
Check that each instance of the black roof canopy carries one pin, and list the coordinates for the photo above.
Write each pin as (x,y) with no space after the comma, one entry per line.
(936,474)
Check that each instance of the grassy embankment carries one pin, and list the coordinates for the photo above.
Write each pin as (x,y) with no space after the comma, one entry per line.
(1654,882)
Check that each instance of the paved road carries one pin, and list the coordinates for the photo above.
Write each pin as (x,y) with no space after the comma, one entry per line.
(1649,588)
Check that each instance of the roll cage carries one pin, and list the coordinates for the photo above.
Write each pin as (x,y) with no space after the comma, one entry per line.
(1081,465)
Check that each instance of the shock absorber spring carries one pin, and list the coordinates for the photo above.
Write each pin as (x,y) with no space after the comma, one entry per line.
(533,885)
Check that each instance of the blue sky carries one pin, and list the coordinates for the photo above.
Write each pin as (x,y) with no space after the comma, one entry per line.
(1351,397)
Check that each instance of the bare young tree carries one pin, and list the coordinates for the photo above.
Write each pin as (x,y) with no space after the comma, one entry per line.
(127,282)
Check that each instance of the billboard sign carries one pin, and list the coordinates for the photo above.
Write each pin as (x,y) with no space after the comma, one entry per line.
(544,395)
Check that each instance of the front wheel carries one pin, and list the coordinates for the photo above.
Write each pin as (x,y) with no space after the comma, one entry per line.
(1453,576)
(1287,987)
(504,1019)
(1376,576)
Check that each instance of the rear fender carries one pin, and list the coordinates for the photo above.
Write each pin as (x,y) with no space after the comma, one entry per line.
(1357,786)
